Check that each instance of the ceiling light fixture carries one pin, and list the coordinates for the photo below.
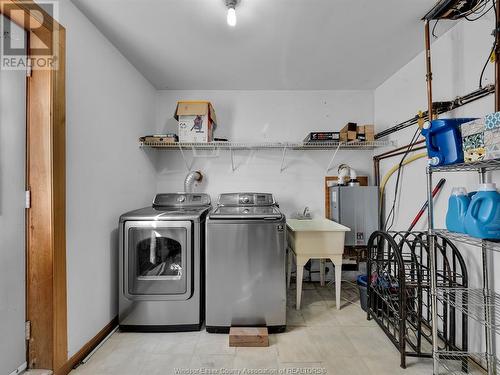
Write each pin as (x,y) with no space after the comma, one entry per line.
(231,12)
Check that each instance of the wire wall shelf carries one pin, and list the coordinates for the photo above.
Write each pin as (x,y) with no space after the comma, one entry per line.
(353,145)
(468,240)
(464,363)
(212,149)
(475,303)
(486,165)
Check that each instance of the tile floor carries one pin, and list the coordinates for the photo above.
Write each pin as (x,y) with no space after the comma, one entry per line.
(318,336)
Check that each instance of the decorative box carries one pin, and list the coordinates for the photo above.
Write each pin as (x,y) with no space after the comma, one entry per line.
(481,138)
(492,121)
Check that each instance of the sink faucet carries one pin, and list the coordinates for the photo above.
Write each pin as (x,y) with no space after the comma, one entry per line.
(306,212)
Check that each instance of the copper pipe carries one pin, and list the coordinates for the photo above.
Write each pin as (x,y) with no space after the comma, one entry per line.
(429,69)
(376,171)
(403,152)
(381,156)
(497,57)
(376,162)
(390,154)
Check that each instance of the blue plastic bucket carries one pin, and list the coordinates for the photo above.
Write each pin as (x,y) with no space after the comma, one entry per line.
(362,282)
(444,141)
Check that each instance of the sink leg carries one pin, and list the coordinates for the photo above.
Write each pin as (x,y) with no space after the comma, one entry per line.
(322,272)
(300,276)
(337,262)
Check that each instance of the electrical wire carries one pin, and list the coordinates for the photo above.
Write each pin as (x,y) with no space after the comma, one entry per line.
(493,48)
(480,16)
(391,215)
(482,4)
(485,65)
(493,4)
(434,28)
(478,10)
(474,10)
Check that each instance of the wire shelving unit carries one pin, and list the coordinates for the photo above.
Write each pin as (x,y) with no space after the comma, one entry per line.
(452,363)
(468,240)
(477,166)
(480,304)
(473,302)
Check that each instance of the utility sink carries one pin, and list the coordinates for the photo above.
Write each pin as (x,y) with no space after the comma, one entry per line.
(303,217)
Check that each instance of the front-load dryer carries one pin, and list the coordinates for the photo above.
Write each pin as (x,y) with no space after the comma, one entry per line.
(161,264)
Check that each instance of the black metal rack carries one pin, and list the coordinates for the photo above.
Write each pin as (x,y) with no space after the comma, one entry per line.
(399,292)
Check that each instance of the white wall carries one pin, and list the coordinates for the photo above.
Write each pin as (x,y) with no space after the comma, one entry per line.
(12,186)
(109,105)
(268,116)
(458,58)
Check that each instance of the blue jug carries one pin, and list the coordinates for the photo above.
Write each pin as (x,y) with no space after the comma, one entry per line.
(483,216)
(458,203)
(444,141)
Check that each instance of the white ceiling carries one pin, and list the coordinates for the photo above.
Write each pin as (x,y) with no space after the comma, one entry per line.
(276,45)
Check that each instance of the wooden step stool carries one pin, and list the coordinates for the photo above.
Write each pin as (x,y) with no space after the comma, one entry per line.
(248,336)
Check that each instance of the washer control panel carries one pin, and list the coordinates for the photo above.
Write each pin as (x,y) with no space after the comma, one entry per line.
(246,199)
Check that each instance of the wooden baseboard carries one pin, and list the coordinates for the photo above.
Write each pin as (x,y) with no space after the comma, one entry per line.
(87,348)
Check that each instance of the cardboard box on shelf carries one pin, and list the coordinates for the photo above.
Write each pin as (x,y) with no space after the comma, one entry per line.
(349,132)
(159,138)
(322,137)
(481,139)
(196,121)
(366,133)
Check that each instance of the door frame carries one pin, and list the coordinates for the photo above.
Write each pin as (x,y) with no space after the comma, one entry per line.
(46,305)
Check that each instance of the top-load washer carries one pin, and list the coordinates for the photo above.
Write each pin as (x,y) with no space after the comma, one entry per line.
(245,265)
(161,271)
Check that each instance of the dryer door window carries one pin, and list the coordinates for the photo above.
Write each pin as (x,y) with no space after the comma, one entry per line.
(159,260)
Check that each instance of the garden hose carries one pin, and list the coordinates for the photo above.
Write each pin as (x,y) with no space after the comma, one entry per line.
(394,169)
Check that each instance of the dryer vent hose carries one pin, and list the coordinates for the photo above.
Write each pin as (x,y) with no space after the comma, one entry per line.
(191,178)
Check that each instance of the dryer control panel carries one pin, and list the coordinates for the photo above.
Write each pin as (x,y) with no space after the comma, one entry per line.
(181,200)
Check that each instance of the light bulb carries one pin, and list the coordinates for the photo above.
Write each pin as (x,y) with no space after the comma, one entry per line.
(231,16)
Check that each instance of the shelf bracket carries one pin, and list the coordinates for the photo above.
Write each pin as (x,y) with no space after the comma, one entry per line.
(333,157)
(215,153)
(282,168)
(188,166)
(232,159)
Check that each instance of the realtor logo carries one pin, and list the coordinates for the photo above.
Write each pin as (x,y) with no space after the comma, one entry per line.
(15,42)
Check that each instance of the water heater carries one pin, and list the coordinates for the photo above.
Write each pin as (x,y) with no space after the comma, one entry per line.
(355,207)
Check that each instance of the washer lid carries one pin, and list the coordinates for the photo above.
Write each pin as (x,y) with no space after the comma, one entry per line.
(246,212)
